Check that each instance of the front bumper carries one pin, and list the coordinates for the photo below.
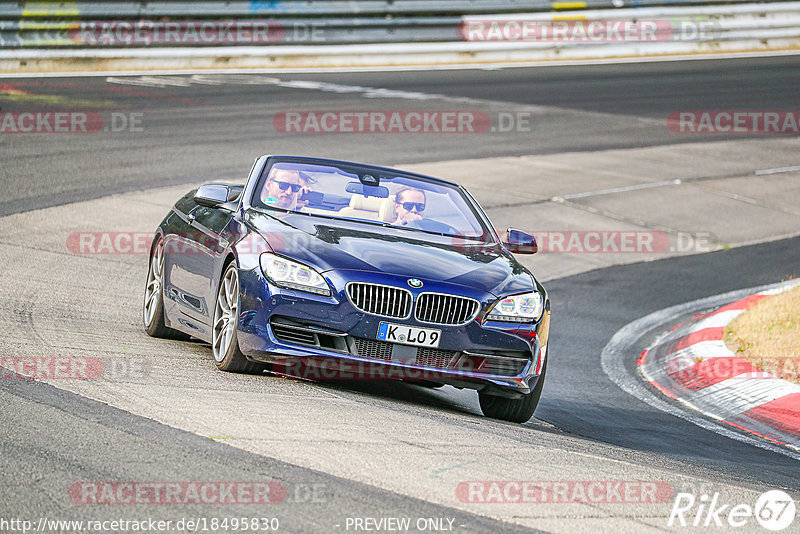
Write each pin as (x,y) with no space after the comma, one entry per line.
(332,339)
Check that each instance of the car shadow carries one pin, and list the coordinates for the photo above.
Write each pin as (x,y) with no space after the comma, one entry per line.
(444,399)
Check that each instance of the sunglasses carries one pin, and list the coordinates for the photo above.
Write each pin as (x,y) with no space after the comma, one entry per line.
(408,206)
(286,185)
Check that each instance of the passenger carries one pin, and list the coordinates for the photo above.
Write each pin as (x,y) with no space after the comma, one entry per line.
(306,182)
(409,204)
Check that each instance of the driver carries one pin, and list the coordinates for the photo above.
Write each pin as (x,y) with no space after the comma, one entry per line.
(282,188)
(409,204)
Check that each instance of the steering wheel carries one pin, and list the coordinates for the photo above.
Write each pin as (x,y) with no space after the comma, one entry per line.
(431,225)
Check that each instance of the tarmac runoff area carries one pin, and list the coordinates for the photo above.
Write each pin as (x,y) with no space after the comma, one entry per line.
(87,304)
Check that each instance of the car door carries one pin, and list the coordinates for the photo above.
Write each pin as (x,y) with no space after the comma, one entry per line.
(195,250)
(210,225)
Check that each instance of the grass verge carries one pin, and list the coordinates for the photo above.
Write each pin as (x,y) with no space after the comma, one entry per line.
(768,335)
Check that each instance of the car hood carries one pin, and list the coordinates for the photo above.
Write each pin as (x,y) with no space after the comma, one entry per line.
(328,244)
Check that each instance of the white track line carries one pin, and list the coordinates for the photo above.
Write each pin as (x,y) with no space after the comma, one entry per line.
(620,348)
(777,170)
(616,190)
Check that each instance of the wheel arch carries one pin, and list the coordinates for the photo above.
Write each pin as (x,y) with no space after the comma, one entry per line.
(228,258)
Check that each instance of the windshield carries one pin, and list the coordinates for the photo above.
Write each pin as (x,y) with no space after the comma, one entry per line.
(369,195)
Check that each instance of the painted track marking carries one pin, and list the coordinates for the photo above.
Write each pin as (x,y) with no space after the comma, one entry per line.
(620,348)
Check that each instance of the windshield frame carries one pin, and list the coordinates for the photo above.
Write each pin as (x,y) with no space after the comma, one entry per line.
(488,235)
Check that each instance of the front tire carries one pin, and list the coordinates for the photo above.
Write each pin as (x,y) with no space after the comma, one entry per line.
(513,410)
(224,341)
(153,307)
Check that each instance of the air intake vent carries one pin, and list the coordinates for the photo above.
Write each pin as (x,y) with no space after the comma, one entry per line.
(505,367)
(370,348)
(293,335)
(382,300)
(437,308)
(436,358)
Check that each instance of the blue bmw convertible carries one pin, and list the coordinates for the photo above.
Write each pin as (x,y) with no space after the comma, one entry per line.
(356,270)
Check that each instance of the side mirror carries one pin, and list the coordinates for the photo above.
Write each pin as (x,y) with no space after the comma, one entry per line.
(520,242)
(213,195)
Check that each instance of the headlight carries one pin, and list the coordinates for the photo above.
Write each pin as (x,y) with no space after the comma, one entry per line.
(293,275)
(525,308)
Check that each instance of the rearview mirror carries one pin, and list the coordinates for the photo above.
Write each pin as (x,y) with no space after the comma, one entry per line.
(520,242)
(378,191)
(212,195)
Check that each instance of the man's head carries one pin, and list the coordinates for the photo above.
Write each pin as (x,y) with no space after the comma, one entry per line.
(283,186)
(409,204)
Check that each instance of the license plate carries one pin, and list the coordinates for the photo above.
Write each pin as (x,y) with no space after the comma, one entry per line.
(409,335)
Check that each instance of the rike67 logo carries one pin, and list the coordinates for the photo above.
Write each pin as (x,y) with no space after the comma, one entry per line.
(774,510)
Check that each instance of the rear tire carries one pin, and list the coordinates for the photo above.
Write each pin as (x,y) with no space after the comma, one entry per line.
(153,307)
(513,410)
(224,342)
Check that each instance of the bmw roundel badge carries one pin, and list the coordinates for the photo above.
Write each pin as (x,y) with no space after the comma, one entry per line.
(415,282)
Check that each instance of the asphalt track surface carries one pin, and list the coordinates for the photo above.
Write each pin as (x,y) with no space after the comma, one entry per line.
(197,132)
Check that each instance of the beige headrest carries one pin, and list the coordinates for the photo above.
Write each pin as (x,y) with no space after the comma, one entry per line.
(360,202)
(386,213)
